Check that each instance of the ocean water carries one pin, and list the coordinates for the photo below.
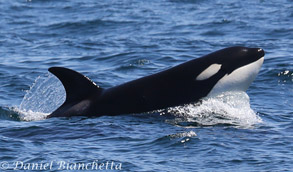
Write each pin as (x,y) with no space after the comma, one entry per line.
(113,42)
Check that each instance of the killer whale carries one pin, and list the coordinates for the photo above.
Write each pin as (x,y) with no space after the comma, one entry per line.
(232,68)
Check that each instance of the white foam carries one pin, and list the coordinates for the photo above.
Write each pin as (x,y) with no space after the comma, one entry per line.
(29,115)
(227,108)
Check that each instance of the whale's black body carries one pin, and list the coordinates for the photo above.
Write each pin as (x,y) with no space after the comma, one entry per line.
(175,86)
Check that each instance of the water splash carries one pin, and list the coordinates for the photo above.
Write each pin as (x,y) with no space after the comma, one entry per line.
(183,137)
(43,97)
(29,115)
(229,108)
(285,76)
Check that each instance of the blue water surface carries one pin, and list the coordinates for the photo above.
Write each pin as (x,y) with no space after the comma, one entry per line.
(113,42)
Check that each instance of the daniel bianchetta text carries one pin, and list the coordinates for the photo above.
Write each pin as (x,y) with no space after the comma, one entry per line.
(95,165)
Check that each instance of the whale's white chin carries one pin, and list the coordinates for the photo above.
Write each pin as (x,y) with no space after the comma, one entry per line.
(238,80)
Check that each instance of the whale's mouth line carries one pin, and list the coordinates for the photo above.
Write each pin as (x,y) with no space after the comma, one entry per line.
(228,72)
(239,79)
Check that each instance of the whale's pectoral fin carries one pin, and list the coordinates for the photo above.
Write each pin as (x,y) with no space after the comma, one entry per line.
(77,86)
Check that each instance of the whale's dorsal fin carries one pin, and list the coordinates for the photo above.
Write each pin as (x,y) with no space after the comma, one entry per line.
(77,86)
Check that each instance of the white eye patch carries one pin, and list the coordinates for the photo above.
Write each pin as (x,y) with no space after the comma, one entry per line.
(208,72)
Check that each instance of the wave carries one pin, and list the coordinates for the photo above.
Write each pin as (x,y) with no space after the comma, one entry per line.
(8,114)
(80,25)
